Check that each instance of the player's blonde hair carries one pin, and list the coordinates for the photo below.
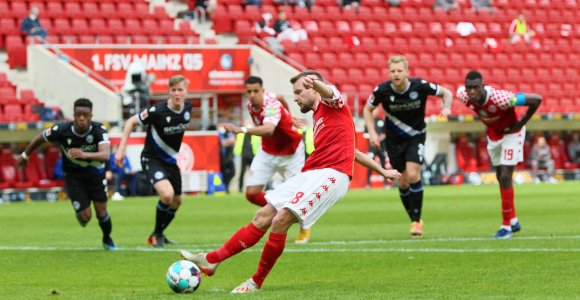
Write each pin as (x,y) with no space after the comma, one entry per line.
(176,79)
(306,73)
(398,59)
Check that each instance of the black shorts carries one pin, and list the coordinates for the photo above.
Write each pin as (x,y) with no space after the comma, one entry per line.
(83,189)
(158,170)
(402,151)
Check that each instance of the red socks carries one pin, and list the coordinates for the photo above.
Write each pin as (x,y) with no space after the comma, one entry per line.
(258,199)
(508,210)
(246,237)
(272,250)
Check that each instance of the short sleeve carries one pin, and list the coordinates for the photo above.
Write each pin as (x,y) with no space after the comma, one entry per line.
(429,88)
(336,101)
(461,94)
(272,112)
(51,134)
(375,98)
(502,98)
(146,115)
(102,136)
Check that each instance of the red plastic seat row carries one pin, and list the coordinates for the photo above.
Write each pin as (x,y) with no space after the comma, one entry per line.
(82,9)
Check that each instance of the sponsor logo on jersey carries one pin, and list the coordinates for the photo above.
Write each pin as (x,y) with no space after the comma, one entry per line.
(68,141)
(89,148)
(168,119)
(392,98)
(169,130)
(90,138)
(413,95)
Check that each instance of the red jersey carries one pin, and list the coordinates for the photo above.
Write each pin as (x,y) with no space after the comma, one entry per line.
(497,112)
(285,139)
(333,136)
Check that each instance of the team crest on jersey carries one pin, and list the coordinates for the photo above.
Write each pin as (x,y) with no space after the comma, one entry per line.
(68,141)
(392,98)
(413,95)
(186,116)
(168,119)
(90,138)
(492,109)
(158,175)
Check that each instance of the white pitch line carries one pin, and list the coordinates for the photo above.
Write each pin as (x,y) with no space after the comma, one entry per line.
(316,250)
(306,248)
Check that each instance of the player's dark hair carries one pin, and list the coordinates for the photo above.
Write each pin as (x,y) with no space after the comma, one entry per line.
(83,102)
(254,79)
(306,73)
(473,74)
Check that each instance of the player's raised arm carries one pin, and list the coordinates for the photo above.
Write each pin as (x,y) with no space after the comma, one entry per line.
(447,97)
(532,101)
(368,162)
(34,143)
(129,125)
(325,90)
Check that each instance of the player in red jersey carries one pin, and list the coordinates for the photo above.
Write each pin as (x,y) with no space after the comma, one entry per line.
(505,137)
(282,147)
(305,197)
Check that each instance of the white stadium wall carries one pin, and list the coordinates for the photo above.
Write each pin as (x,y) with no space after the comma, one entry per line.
(57,79)
(276,75)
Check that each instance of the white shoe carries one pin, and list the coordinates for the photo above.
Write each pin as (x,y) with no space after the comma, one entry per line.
(249,286)
(117,197)
(552,180)
(200,260)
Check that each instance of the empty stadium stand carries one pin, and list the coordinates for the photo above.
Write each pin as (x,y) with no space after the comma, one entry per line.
(430,41)
(87,22)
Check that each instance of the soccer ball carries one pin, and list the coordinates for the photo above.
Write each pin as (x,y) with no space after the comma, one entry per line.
(183,277)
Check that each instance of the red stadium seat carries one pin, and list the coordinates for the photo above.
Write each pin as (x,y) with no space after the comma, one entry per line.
(55,10)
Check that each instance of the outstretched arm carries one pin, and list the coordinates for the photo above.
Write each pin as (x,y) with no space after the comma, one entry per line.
(368,162)
(300,123)
(266,129)
(532,101)
(35,143)
(120,155)
(447,97)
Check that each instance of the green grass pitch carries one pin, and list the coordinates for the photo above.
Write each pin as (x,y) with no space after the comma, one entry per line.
(359,250)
